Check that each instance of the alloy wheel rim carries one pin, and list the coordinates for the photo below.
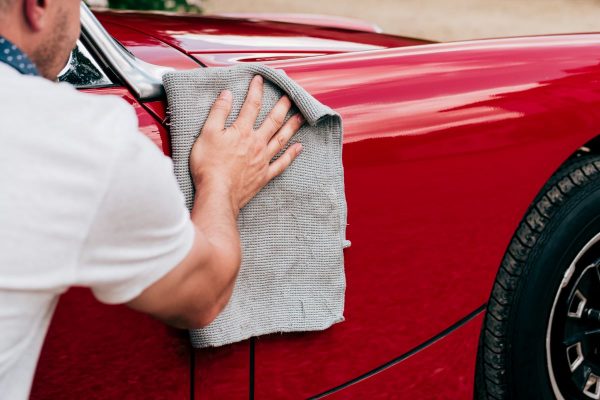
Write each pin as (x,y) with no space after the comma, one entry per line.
(573,330)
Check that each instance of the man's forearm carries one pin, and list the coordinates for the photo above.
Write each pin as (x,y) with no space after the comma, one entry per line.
(215,215)
(193,294)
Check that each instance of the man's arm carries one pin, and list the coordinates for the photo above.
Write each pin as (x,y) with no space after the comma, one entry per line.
(229,166)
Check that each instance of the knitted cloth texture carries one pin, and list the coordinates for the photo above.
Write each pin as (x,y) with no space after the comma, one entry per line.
(293,232)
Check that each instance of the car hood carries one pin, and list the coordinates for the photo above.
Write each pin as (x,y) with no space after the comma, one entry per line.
(216,40)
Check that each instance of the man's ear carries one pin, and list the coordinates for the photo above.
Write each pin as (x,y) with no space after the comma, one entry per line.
(35,12)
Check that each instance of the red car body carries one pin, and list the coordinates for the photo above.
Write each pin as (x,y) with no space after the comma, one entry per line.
(445,147)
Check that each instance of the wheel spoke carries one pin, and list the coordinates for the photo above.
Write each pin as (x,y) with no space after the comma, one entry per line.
(586,285)
(575,356)
(581,375)
(592,386)
(577,303)
(580,331)
(574,330)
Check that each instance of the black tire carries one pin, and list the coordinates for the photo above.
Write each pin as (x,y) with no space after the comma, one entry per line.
(513,357)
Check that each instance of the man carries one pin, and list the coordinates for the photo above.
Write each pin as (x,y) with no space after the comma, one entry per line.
(86,200)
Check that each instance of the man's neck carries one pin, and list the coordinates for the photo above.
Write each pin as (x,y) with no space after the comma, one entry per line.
(12,28)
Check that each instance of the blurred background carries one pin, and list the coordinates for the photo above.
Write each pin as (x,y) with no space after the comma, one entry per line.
(441,20)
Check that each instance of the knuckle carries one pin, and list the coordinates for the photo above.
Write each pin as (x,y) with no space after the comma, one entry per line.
(235,127)
(280,141)
(255,103)
(208,127)
(257,148)
(220,104)
(276,121)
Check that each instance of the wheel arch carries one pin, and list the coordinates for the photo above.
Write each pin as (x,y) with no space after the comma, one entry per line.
(517,250)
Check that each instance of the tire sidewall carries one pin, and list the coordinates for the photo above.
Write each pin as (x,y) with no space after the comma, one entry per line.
(574,224)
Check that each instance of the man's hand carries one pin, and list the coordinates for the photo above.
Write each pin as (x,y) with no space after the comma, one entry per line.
(238,158)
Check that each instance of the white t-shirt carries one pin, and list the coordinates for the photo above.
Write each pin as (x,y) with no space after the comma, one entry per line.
(85,200)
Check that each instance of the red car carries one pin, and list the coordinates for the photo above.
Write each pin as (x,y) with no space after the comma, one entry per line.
(473,184)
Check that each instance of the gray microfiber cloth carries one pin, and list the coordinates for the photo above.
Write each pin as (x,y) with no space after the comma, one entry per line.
(293,232)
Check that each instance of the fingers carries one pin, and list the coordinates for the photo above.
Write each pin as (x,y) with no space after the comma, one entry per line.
(280,165)
(280,139)
(275,119)
(251,106)
(215,121)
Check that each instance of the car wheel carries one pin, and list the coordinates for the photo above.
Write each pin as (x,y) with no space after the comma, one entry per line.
(541,334)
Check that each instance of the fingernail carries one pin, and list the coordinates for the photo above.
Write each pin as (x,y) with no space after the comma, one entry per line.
(225,94)
(300,118)
(258,78)
(299,148)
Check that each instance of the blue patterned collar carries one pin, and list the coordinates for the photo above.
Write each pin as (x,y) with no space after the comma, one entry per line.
(13,56)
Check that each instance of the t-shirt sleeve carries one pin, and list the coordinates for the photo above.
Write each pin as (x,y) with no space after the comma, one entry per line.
(141,229)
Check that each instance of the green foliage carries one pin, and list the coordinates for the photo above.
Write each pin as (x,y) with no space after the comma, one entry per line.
(167,5)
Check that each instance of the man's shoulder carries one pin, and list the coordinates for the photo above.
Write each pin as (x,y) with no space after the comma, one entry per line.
(37,100)
(73,105)
(104,111)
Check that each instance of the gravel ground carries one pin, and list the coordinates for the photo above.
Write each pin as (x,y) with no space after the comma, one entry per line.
(442,20)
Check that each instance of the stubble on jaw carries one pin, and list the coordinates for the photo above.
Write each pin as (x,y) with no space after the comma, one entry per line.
(51,55)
